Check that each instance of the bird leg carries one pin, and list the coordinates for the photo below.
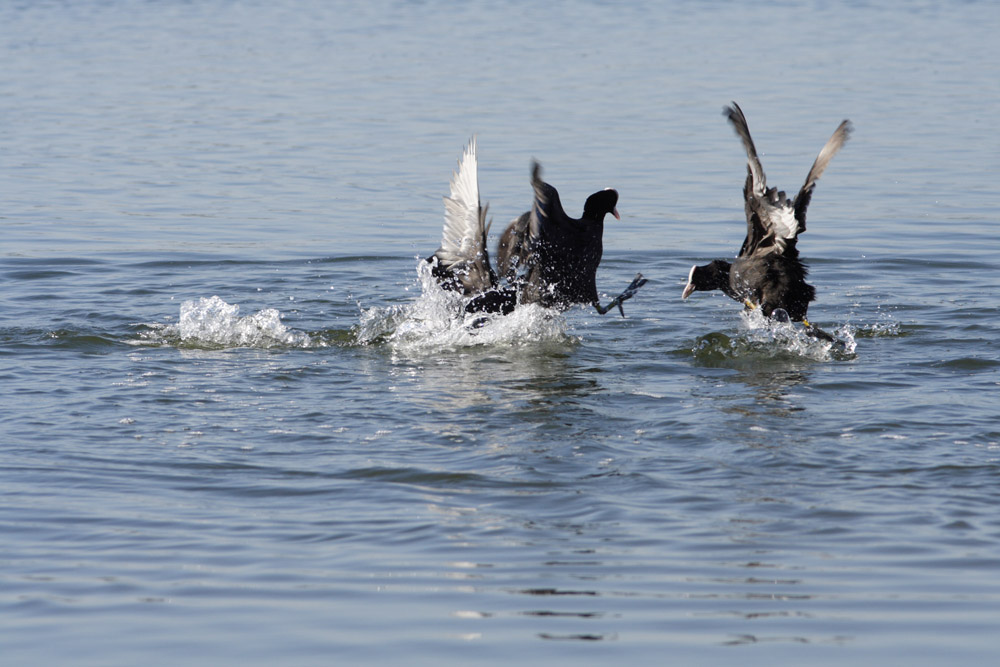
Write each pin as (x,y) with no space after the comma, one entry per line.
(816,332)
(629,292)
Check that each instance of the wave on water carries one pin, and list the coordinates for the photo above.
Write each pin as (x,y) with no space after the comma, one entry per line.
(762,338)
(437,320)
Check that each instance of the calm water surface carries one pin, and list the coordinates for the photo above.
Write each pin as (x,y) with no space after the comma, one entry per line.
(238,426)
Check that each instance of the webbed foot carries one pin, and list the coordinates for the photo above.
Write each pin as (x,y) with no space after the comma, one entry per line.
(629,292)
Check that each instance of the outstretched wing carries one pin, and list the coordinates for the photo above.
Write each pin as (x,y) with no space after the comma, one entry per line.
(463,240)
(547,219)
(755,170)
(526,238)
(834,144)
(755,187)
(517,252)
(771,221)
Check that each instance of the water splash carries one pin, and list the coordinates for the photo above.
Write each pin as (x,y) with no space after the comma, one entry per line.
(762,338)
(884,327)
(214,324)
(437,320)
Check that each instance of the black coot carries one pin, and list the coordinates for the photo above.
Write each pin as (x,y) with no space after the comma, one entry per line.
(768,273)
(544,255)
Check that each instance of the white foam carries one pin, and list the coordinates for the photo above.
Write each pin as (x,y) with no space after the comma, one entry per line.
(787,337)
(437,320)
(214,323)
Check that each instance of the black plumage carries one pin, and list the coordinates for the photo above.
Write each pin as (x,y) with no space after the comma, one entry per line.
(767,272)
(544,256)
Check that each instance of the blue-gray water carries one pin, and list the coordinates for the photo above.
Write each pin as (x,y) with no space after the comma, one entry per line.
(336,474)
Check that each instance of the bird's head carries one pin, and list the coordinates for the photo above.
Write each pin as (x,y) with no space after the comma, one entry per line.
(600,204)
(714,275)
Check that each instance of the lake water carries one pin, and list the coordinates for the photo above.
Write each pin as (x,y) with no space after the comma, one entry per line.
(239,427)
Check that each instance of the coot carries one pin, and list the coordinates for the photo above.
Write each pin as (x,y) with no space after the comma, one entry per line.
(544,255)
(768,273)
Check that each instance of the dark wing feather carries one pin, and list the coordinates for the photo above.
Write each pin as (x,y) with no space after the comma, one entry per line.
(513,248)
(833,145)
(519,244)
(547,220)
(755,188)
(756,178)
(756,231)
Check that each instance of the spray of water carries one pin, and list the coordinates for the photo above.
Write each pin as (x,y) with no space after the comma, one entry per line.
(763,338)
(211,323)
(437,320)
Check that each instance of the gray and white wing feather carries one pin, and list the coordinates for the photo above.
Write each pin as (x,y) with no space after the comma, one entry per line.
(756,171)
(772,219)
(832,146)
(463,239)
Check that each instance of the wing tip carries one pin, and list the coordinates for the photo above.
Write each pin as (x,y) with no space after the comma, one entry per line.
(471,149)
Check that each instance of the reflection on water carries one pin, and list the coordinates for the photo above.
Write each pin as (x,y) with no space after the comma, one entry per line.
(771,391)
(526,384)
(757,400)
